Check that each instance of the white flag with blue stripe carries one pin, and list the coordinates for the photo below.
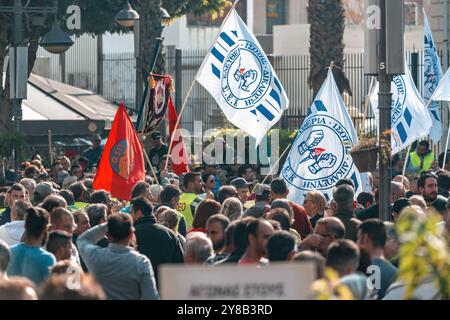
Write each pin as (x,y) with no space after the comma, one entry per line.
(410,118)
(432,76)
(442,92)
(239,76)
(320,154)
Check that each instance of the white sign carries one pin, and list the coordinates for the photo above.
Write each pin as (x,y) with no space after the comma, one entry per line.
(273,282)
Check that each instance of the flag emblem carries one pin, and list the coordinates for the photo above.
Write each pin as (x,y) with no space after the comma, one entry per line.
(240,78)
(312,152)
(119,160)
(243,86)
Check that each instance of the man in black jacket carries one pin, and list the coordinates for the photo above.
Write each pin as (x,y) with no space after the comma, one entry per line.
(155,241)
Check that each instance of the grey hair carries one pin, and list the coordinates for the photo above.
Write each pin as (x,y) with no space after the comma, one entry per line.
(20,208)
(5,256)
(199,246)
(232,208)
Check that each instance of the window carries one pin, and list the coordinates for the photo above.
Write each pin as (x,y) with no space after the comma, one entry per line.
(411,13)
(275,14)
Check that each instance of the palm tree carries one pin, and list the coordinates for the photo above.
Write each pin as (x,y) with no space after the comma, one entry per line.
(327,21)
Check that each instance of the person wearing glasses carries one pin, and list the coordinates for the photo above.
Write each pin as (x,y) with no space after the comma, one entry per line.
(315,205)
(94,153)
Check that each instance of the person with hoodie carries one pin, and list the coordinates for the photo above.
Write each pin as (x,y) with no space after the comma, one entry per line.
(12,232)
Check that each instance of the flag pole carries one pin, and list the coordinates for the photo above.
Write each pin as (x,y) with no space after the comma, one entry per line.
(446,144)
(159,40)
(275,166)
(366,107)
(151,166)
(178,120)
(406,160)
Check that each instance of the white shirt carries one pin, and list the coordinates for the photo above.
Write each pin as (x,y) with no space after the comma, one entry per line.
(12,232)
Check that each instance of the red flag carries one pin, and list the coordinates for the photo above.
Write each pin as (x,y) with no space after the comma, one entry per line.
(179,155)
(122,162)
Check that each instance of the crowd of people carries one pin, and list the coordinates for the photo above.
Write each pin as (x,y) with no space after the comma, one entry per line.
(61,239)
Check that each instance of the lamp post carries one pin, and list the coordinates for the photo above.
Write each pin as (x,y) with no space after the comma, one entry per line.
(55,41)
(128,17)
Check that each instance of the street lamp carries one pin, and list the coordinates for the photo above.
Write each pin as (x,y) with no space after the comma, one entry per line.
(55,41)
(128,17)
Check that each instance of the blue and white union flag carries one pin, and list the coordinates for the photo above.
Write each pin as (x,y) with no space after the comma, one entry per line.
(320,154)
(410,118)
(239,76)
(432,76)
(442,92)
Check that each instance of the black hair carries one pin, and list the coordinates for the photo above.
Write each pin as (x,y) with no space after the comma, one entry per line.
(57,239)
(240,233)
(423,177)
(279,245)
(341,254)
(243,169)
(190,177)
(168,193)
(143,205)
(424,143)
(36,221)
(443,180)
(52,202)
(253,229)
(225,192)
(278,186)
(139,189)
(120,226)
(206,176)
(77,188)
(68,196)
(375,230)
(282,216)
(99,196)
(343,196)
(345,181)
(401,204)
(365,197)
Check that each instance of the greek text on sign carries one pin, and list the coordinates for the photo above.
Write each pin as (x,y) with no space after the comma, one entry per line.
(273,282)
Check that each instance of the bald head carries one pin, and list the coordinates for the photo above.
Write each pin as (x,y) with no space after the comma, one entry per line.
(333,226)
(419,201)
(403,180)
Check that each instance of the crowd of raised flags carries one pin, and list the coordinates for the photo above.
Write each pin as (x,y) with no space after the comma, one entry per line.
(239,76)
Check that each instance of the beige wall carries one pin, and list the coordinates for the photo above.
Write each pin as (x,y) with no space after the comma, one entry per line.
(259,20)
(294,39)
(435,10)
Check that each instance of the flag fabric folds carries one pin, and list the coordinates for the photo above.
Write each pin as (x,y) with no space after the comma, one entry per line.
(160,88)
(432,76)
(320,153)
(239,76)
(410,117)
(122,162)
(442,92)
(179,155)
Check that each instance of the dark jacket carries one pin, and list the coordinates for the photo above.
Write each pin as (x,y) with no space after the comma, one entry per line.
(369,213)
(351,224)
(157,242)
(5,217)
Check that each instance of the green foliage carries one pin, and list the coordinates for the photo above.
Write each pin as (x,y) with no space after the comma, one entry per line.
(424,251)
(7,142)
